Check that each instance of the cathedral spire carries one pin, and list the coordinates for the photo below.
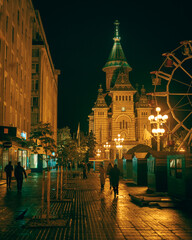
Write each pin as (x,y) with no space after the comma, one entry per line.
(117,37)
(115,60)
(100,102)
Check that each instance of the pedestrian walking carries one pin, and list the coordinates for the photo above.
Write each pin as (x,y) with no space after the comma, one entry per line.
(109,167)
(19,171)
(8,169)
(115,173)
(102,176)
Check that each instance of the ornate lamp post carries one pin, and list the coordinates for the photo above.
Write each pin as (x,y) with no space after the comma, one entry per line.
(107,148)
(118,142)
(158,120)
(98,153)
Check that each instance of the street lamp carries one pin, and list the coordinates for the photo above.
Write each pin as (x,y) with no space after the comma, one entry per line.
(98,153)
(107,147)
(158,120)
(118,142)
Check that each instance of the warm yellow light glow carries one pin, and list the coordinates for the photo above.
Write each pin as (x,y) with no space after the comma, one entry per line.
(158,109)
(182,150)
(165,117)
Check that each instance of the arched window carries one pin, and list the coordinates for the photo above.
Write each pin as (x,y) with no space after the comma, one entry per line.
(119,98)
(116,98)
(123,98)
(126,98)
(129,98)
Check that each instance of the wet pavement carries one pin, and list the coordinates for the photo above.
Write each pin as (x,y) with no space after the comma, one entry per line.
(87,213)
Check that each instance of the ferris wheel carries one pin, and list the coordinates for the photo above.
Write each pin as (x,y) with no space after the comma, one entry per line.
(173,89)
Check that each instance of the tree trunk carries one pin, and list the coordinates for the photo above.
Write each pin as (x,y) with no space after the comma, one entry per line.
(48,194)
(61,189)
(43,194)
(57,194)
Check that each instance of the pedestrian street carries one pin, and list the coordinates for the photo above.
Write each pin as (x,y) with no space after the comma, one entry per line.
(87,212)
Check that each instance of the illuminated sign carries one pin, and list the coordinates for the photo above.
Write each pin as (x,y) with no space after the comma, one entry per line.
(24,135)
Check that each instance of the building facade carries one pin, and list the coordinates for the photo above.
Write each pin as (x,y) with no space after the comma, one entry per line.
(120,111)
(15,78)
(28,80)
(44,88)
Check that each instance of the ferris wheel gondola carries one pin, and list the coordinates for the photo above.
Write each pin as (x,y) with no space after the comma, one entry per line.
(173,89)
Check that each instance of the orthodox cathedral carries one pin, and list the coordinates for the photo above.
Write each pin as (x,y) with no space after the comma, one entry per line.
(122,111)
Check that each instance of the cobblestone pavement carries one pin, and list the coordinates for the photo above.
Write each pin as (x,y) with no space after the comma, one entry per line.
(87,213)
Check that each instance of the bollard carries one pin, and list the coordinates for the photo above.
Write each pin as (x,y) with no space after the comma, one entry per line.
(61,189)
(48,194)
(57,193)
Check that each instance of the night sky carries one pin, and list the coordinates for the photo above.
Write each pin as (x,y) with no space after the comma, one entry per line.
(80,37)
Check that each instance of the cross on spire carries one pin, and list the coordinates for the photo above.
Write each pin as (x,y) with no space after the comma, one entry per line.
(117,37)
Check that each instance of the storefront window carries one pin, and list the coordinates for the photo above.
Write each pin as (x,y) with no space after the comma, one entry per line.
(33,160)
(24,163)
(44,161)
(5,158)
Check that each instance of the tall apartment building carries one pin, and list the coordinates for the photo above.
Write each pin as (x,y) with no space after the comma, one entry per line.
(118,111)
(44,88)
(44,79)
(28,80)
(15,78)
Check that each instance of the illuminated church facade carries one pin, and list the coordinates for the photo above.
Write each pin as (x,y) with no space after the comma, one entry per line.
(121,109)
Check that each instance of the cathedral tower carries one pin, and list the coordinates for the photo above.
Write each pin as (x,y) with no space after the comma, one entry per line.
(116,60)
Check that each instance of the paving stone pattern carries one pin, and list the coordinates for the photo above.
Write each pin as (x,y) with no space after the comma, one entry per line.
(87,213)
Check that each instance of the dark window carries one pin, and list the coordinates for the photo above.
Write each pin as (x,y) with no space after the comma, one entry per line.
(7,23)
(18,17)
(36,85)
(116,98)
(13,33)
(35,101)
(37,68)
(35,53)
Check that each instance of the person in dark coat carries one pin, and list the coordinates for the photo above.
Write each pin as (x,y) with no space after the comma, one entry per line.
(102,176)
(8,170)
(115,173)
(19,171)
(109,167)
